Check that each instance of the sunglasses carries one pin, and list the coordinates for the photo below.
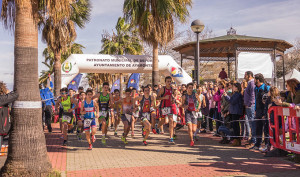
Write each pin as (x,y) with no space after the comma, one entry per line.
(64,93)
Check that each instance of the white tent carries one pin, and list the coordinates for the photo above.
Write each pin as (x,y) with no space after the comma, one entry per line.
(293,74)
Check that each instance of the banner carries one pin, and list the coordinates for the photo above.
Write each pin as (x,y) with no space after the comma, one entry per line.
(74,84)
(115,86)
(134,81)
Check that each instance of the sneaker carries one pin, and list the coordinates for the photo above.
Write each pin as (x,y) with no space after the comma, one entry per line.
(93,138)
(103,140)
(171,141)
(153,130)
(145,143)
(263,150)
(123,139)
(254,148)
(79,137)
(192,143)
(174,137)
(90,147)
(157,131)
(65,143)
(203,131)
(143,133)
(115,134)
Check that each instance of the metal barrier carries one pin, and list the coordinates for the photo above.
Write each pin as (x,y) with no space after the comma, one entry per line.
(284,128)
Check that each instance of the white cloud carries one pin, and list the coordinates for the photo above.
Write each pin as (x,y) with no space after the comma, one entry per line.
(106,7)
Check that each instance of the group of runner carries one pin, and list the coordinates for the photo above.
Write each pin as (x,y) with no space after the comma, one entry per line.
(152,107)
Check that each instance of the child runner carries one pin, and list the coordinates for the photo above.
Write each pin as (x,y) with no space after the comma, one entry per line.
(127,117)
(67,114)
(146,106)
(79,117)
(117,109)
(189,101)
(104,102)
(165,95)
(88,109)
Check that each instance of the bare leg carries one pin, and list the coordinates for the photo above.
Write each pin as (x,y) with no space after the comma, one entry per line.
(171,128)
(65,130)
(147,126)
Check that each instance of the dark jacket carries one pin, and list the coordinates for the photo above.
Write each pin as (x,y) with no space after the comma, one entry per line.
(259,105)
(236,103)
(4,121)
(249,95)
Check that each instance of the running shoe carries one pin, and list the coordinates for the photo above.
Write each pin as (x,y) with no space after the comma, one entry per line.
(254,148)
(153,130)
(79,137)
(65,143)
(192,143)
(174,137)
(157,131)
(93,138)
(123,139)
(90,147)
(144,132)
(145,143)
(171,141)
(103,140)
(115,134)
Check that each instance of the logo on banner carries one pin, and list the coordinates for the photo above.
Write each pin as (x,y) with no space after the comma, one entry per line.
(132,81)
(116,85)
(73,83)
(176,72)
(67,67)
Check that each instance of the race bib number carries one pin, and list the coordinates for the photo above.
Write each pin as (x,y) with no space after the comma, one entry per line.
(128,117)
(165,111)
(67,118)
(103,113)
(87,122)
(194,113)
(146,115)
(136,114)
(174,117)
(152,109)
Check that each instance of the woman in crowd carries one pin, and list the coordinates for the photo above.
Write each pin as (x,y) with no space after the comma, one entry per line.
(217,98)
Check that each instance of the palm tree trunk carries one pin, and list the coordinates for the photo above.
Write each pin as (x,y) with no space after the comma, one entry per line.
(57,72)
(155,71)
(27,154)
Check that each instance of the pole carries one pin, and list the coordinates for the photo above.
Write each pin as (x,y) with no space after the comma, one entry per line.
(197,69)
(228,65)
(283,69)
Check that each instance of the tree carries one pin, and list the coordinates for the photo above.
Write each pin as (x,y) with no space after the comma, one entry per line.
(155,22)
(59,34)
(27,154)
(49,59)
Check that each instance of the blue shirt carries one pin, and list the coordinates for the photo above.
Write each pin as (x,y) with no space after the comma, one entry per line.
(47,95)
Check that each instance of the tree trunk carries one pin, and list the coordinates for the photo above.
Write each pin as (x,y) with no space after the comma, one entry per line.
(27,154)
(155,71)
(57,72)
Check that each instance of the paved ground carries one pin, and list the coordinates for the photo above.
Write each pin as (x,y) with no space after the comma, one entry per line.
(207,158)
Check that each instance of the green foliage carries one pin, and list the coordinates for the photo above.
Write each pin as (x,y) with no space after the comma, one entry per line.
(124,41)
(49,59)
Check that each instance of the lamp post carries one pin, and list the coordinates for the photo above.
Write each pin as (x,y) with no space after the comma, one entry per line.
(197,27)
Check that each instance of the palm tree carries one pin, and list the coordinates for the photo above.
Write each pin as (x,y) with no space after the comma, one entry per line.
(59,34)
(49,59)
(155,22)
(27,153)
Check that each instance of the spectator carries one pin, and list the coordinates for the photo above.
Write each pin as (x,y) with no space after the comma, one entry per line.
(235,110)
(5,99)
(223,74)
(293,93)
(260,90)
(245,124)
(249,102)
(48,101)
(212,107)
(217,98)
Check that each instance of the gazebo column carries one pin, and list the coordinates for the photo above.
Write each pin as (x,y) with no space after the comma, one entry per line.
(275,70)
(283,70)
(228,64)
(236,61)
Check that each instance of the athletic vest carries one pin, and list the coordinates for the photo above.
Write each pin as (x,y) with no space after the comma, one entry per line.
(191,101)
(117,106)
(77,111)
(66,104)
(168,102)
(127,106)
(103,102)
(145,104)
(90,110)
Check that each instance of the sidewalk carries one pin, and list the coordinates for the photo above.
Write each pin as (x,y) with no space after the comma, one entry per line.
(206,158)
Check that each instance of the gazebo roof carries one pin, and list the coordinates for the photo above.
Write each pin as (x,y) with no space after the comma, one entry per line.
(225,46)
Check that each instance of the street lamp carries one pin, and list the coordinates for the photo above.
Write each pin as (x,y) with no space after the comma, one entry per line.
(197,27)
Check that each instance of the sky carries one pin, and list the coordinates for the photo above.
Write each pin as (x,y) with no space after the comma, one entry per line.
(278,19)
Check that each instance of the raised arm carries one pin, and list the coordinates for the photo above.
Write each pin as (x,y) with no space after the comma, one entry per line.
(8,98)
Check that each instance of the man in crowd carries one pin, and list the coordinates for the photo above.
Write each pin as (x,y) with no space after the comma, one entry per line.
(223,74)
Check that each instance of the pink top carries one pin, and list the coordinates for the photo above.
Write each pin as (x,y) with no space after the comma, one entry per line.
(218,98)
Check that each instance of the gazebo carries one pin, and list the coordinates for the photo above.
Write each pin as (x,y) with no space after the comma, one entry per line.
(228,47)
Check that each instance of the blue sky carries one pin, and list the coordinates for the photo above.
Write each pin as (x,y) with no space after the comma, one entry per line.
(266,18)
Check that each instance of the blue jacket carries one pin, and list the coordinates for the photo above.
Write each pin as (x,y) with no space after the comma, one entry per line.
(236,103)
(47,95)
